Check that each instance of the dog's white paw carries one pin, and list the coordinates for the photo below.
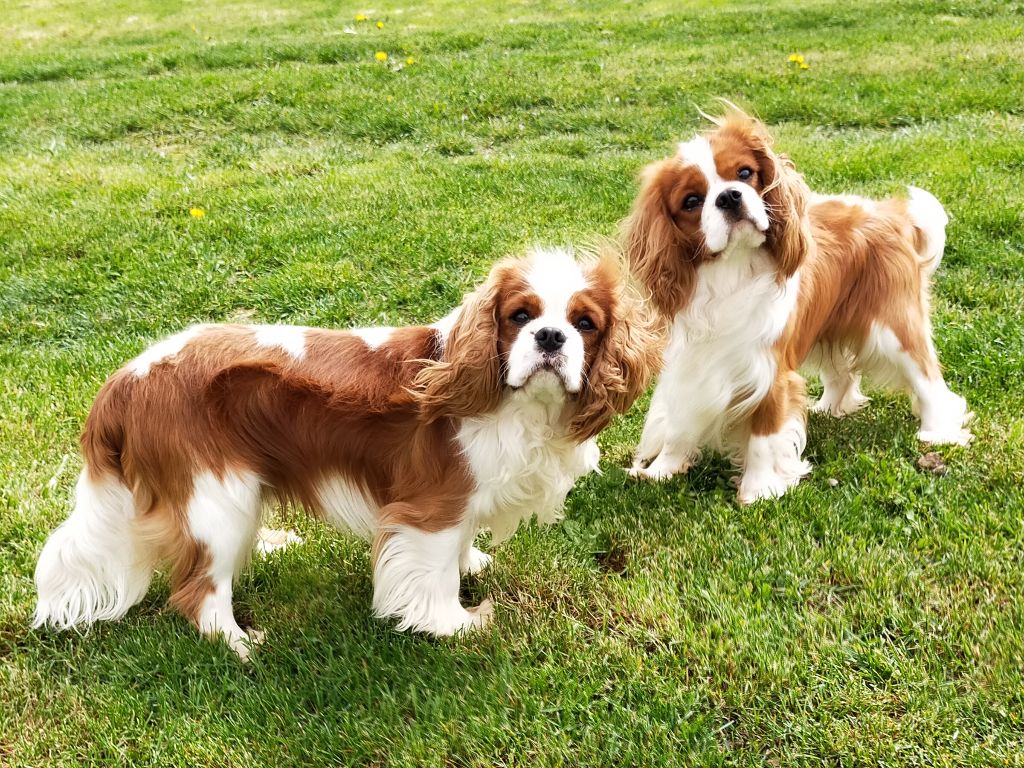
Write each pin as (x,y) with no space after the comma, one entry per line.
(272,539)
(482,615)
(475,561)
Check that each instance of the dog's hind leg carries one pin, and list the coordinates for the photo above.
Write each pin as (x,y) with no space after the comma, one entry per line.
(218,531)
(908,361)
(842,395)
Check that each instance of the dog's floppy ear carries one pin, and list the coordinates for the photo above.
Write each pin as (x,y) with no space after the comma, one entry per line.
(785,197)
(467,377)
(630,353)
(652,241)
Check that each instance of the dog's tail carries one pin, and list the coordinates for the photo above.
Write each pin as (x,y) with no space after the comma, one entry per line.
(96,565)
(929,219)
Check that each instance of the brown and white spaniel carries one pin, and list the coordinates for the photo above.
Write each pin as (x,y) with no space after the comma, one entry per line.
(758,277)
(415,438)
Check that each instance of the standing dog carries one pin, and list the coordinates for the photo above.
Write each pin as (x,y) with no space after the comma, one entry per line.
(415,438)
(758,276)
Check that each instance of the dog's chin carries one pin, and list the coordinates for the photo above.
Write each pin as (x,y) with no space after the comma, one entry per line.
(546,380)
(744,235)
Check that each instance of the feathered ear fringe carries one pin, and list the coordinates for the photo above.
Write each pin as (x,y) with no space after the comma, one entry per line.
(466,380)
(789,229)
(732,112)
(631,352)
(652,242)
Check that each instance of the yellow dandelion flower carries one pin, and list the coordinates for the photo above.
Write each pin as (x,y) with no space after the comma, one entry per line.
(380,56)
(196,213)
(360,17)
(410,61)
(804,66)
(796,58)
(380,25)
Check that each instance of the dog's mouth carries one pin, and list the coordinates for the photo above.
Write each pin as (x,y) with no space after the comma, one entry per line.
(549,371)
(744,232)
(744,221)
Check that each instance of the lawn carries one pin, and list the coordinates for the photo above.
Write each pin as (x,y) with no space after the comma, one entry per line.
(874,616)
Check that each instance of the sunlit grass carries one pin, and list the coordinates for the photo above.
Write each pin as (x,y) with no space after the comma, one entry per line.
(167,163)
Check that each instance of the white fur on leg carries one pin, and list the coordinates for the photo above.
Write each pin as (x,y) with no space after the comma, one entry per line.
(272,539)
(773,463)
(591,453)
(416,580)
(224,514)
(652,439)
(837,367)
(93,567)
(842,395)
(473,561)
(943,413)
(666,464)
(216,618)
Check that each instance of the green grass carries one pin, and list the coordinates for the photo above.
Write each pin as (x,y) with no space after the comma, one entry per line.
(872,617)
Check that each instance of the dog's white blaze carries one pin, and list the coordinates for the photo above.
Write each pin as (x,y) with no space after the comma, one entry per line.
(290,338)
(163,350)
(697,151)
(374,337)
(555,278)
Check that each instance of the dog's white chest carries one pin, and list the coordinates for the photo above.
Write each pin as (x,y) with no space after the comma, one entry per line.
(522,465)
(726,334)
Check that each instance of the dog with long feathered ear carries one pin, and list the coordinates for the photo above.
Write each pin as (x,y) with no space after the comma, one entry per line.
(629,355)
(757,277)
(415,438)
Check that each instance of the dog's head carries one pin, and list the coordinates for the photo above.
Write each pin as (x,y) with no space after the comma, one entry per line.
(551,328)
(724,194)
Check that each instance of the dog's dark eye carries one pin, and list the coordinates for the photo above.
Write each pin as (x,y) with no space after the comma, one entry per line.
(691,202)
(520,317)
(745,174)
(585,324)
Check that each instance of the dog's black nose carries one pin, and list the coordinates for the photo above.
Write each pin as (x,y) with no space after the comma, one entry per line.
(729,200)
(549,339)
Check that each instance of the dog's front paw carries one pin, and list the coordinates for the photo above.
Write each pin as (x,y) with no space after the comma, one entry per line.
(245,642)
(271,539)
(482,615)
(754,486)
(474,561)
(662,468)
